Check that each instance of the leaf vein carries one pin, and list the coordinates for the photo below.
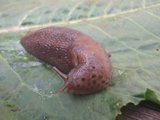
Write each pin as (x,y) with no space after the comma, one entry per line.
(152,14)
(26,15)
(116,39)
(17,28)
(143,28)
(73,9)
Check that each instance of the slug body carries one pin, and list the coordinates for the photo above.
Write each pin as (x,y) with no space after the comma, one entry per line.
(80,61)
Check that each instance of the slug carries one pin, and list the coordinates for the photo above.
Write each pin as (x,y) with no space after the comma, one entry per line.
(80,61)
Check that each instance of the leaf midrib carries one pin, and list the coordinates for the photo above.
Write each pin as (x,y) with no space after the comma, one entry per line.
(63,23)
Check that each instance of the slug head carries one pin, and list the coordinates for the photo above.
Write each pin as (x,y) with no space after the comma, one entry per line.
(85,80)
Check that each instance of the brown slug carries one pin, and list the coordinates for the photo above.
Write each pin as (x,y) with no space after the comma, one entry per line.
(80,61)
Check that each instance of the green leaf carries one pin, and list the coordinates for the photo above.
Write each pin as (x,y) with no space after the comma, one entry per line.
(152,96)
(129,30)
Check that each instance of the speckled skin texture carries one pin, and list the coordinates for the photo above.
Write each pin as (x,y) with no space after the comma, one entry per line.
(81,62)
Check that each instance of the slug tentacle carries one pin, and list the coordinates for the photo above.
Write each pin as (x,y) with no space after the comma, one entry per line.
(65,86)
(62,75)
